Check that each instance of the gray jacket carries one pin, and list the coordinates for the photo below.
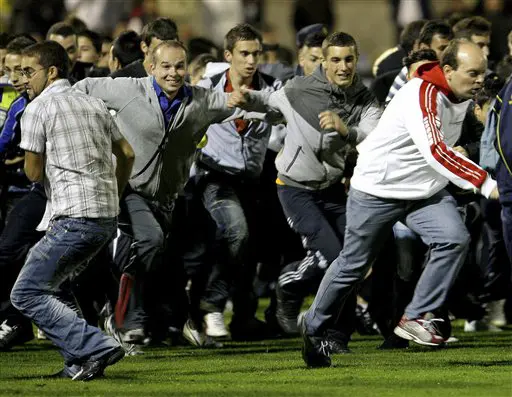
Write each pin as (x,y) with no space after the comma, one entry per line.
(314,158)
(142,123)
(227,150)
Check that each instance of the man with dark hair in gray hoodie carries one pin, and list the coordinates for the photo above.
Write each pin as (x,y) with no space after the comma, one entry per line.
(327,113)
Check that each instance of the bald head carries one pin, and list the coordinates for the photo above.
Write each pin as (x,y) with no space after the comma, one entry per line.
(464,65)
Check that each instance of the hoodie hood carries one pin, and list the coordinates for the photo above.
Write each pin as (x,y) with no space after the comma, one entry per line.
(311,95)
(432,73)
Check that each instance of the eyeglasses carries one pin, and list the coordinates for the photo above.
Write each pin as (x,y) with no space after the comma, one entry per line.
(30,73)
(16,71)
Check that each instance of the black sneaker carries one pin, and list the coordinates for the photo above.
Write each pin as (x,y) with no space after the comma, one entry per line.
(14,334)
(287,311)
(250,329)
(92,369)
(339,347)
(315,351)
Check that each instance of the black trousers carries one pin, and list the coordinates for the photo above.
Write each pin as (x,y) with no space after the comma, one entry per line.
(18,236)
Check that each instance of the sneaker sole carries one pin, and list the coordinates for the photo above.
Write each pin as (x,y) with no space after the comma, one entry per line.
(408,336)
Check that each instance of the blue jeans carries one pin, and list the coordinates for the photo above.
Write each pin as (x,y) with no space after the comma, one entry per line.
(369,220)
(42,292)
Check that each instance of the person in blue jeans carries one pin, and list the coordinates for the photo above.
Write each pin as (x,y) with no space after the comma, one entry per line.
(403,168)
(68,138)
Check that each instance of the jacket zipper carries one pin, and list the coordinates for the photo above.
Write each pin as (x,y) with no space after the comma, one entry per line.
(294,158)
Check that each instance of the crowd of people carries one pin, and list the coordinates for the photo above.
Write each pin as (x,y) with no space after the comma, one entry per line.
(149,186)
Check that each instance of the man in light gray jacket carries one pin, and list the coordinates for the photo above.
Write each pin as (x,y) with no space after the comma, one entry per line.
(327,113)
(163,119)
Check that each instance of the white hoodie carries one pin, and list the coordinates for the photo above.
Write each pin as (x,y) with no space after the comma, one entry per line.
(408,155)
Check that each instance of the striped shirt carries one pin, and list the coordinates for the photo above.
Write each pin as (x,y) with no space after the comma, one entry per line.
(399,82)
(74,132)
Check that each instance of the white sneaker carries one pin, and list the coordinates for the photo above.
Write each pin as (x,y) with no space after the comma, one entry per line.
(110,329)
(480,325)
(496,313)
(191,334)
(215,326)
(41,335)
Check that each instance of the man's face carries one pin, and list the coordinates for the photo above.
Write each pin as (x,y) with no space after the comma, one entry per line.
(482,42)
(86,51)
(14,72)
(244,58)
(35,76)
(340,65)
(113,63)
(468,78)
(438,44)
(169,69)
(105,55)
(69,43)
(310,58)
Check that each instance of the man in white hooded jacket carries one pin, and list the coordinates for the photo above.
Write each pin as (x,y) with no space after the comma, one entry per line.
(403,168)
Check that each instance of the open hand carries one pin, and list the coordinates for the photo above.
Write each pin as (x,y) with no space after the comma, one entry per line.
(461,150)
(331,121)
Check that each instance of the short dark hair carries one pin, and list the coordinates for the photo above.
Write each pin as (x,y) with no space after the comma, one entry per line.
(449,56)
(472,26)
(50,53)
(169,44)
(76,23)
(126,48)
(425,54)
(339,39)
(315,39)
(241,32)
(160,28)
(5,38)
(19,43)
(202,45)
(491,87)
(93,36)
(60,29)
(432,28)
(410,34)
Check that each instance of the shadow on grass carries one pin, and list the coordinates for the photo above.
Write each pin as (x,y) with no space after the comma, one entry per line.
(501,363)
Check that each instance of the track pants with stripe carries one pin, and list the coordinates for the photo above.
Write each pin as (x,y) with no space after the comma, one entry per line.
(319,217)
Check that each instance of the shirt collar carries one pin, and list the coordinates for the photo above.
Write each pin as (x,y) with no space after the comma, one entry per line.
(56,87)
(182,92)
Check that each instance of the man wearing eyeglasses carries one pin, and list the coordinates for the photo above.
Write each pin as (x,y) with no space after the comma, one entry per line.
(69,139)
(27,203)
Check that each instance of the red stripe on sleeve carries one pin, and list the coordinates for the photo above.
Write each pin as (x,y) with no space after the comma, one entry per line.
(457,165)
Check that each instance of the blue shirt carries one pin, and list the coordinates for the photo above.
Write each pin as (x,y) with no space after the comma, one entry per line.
(170,106)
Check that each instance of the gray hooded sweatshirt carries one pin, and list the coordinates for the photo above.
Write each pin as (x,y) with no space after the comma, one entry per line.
(314,158)
(159,175)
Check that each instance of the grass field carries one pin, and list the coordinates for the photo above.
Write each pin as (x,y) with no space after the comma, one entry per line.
(479,365)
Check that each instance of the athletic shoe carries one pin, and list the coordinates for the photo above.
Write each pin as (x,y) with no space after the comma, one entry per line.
(287,311)
(41,335)
(94,368)
(66,373)
(364,322)
(12,335)
(195,337)
(339,347)
(135,336)
(214,324)
(421,331)
(248,329)
(316,352)
(497,313)
(480,325)
(110,329)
